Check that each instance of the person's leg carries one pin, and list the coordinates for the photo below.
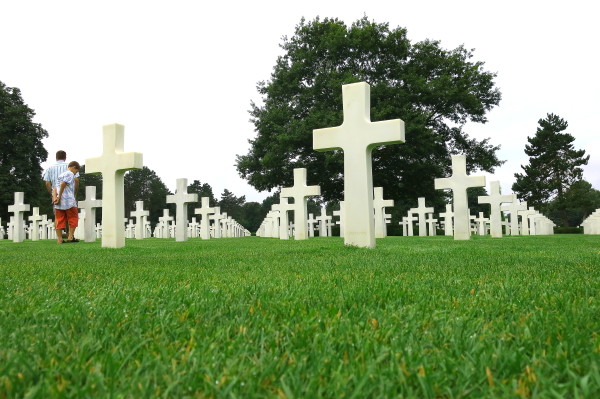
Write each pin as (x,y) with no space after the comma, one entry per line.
(61,223)
(73,220)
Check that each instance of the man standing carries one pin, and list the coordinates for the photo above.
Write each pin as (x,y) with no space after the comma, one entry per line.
(51,174)
(65,205)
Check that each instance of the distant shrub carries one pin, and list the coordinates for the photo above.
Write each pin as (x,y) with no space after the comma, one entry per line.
(568,230)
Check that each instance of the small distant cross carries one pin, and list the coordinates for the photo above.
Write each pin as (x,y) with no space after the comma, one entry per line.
(458,183)
(495,199)
(181,198)
(205,210)
(300,192)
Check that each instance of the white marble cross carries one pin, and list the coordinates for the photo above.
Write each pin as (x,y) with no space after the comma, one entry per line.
(410,219)
(205,211)
(458,183)
(525,217)
(380,204)
(431,224)
(422,210)
(340,214)
(140,216)
(323,218)
(283,207)
(300,192)
(311,221)
(481,224)
(18,208)
(181,198)
(35,219)
(513,208)
(448,215)
(113,164)
(217,219)
(495,199)
(525,230)
(89,205)
(164,224)
(357,137)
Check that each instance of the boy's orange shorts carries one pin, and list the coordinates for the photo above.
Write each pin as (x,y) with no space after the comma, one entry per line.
(62,215)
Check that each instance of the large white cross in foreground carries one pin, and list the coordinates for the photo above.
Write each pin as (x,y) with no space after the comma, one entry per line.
(300,192)
(458,183)
(181,198)
(357,136)
(113,164)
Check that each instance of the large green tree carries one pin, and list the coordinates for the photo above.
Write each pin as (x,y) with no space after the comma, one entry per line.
(554,164)
(145,185)
(434,90)
(577,202)
(21,153)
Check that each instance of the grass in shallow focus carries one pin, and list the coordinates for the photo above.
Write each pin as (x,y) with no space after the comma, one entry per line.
(254,317)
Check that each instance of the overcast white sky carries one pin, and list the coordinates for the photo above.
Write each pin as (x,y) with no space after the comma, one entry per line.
(180,74)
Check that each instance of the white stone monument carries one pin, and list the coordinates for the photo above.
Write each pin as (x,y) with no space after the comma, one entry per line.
(495,199)
(35,220)
(18,208)
(323,218)
(163,221)
(448,225)
(205,211)
(89,205)
(283,207)
(300,192)
(112,165)
(141,216)
(181,198)
(458,183)
(379,205)
(357,137)
(422,210)
(513,208)
(340,214)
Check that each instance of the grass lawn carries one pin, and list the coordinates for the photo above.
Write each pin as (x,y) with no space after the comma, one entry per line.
(254,317)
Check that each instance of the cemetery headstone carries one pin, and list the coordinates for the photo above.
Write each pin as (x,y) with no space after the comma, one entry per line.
(458,183)
(112,164)
(300,193)
(357,137)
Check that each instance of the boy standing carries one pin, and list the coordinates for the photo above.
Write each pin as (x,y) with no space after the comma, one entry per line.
(65,204)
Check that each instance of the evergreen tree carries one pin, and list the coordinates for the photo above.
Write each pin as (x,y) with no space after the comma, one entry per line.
(578,202)
(434,90)
(21,154)
(203,190)
(554,164)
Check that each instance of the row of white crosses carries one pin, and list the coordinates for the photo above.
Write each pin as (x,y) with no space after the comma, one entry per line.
(591,224)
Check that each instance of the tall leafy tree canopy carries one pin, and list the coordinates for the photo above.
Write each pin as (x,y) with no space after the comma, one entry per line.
(577,202)
(554,164)
(145,185)
(434,90)
(21,153)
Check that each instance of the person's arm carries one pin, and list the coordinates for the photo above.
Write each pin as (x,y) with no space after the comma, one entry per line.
(49,187)
(62,188)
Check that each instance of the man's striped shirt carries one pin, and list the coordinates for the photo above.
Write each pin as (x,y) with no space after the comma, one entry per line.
(51,174)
